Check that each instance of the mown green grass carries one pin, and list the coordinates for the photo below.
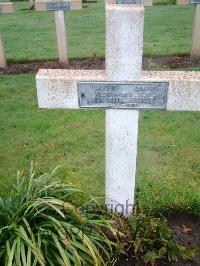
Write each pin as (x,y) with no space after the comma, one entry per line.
(30,35)
(168,172)
(48,137)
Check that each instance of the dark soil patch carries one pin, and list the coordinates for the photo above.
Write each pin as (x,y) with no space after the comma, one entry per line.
(163,62)
(33,67)
(181,236)
(170,62)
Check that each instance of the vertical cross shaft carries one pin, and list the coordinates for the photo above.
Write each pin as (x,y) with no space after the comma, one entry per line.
(61,36)
(124,45)
(195,52)
(2,54)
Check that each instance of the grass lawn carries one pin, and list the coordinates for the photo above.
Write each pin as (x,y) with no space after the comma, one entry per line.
(30,35)
(168,151)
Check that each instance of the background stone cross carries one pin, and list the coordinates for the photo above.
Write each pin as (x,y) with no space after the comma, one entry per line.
(2,54)
(61,31)
(195,51)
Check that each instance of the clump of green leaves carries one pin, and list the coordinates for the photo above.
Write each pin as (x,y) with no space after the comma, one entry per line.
(50,223)
(153,240)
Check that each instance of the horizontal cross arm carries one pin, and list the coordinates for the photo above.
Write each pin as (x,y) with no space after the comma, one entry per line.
(58,88)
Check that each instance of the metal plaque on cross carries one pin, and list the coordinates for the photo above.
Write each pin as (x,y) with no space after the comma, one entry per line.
(58,6)
(123,95)
(134,2)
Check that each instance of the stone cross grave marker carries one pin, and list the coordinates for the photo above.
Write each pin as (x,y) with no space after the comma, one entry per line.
(61,32)
(122,90)
(195,52)
(2,54)
(6,7)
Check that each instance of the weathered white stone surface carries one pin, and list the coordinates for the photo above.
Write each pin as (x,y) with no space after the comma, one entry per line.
(124,38)
(195,52)
(40,6)
(75,4)
(124,45)
(110,2)
(182,2)
(7,7)
(2,54)
(58,88)
(147,2)
(61,36)
(184,88)
(121,155)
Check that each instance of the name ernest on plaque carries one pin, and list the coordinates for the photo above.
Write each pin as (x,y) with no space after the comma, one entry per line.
(135,95)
